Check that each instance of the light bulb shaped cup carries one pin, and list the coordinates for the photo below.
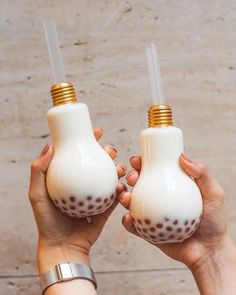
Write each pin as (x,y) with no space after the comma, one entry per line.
(166,204)
(81,178)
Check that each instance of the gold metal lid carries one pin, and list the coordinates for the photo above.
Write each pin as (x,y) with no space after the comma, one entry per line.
(160,115)
(63,93)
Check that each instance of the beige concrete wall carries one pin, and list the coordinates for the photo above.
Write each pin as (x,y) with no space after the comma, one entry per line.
(103,48)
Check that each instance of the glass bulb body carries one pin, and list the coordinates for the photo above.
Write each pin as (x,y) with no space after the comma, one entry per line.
(81,178)
(166,204)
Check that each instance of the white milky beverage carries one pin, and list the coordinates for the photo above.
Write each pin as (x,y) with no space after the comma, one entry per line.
(166,204)
(81,178)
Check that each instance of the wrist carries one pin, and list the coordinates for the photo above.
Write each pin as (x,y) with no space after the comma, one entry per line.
(214,272)
(50,255)
(225,251)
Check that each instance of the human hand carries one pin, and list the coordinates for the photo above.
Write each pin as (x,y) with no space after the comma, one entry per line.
(62,238)
(212,234)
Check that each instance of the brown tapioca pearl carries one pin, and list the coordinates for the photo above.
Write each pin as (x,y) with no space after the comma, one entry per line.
(63,201)
(112,196)
(72,207)
(187,229)
(72,199)
(186,222)
(89,198)
(180,238)
(107,205)
(152,237)
(82,212)
(169,228)
(147,221)
(152,229)
(171,237)
(105,200)
(179,230)
(139,221)
(56,201)
(90,207)
(81,204)
(193,221)
(98,200)
(159,225)
(99,207)
(64,208)
(162,240)
(138,229)
(167,219)
(175,222)
(161,234)
(145,230)
(73,214)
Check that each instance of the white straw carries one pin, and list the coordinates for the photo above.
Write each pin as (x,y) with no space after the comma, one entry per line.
(54,52)
(155,75)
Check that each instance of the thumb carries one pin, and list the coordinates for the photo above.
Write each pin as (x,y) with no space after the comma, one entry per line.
(37,188)
(209,187)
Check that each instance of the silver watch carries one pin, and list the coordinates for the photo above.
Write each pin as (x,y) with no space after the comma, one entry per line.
(66,272)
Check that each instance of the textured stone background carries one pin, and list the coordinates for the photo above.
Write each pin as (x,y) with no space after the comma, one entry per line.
(103,49)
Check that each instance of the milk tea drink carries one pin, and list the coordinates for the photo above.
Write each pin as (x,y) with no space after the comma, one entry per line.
(166,204)
(81,178)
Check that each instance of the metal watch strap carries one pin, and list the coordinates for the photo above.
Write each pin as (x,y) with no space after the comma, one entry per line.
(65,272)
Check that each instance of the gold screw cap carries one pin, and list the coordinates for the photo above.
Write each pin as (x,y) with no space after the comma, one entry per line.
(159,116)
(63,93)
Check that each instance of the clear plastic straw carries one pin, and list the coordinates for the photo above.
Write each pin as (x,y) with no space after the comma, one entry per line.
(155,75)
(54,51)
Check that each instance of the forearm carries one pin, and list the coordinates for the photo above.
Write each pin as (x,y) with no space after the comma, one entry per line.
(216,274)
(81,287)
(48,257)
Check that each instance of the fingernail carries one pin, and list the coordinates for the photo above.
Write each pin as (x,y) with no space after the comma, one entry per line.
(132,158)
(45,149)
(131,173)
(186,158)
(113,148)
(123,168)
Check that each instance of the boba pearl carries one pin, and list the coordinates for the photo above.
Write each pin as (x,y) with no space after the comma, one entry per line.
(166,230)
